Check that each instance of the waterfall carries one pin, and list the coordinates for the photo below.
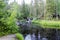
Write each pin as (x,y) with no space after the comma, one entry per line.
(39,37)
(28,37)
(33,37)
(44,39)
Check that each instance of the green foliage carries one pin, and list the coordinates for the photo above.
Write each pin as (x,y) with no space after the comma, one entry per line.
(7,20)
(2,4)
(12,22)
(50,7)
(3,26)
(19,36)
(48,24)
(25,11)
(58,6)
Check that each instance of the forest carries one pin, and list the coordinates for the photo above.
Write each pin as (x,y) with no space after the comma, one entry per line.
(40,17)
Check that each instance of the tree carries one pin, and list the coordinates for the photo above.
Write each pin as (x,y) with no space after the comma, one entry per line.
(38,8)
(24,10)
(57,6)
(51,8)
(12,17)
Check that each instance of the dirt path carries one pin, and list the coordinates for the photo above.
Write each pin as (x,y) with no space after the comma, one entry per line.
(9,37)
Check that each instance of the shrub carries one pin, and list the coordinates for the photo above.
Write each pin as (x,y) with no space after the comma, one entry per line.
(19,36)
(7,20)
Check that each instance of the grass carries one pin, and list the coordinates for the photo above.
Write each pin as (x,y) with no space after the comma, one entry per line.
(48,23)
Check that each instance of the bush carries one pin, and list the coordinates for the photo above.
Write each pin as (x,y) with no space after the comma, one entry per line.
(8,25)
(7,20)
(19,36)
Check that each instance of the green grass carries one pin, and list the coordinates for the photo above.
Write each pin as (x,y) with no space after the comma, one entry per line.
(48,23)
(19,36)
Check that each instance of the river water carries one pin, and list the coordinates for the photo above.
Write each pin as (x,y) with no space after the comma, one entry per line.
(26,30)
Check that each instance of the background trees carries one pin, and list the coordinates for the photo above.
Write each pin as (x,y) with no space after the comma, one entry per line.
(50,6)
(38,9)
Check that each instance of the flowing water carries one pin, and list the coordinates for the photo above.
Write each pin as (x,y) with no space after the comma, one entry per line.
(29,30)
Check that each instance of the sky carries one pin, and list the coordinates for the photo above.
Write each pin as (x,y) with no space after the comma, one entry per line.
(20,1)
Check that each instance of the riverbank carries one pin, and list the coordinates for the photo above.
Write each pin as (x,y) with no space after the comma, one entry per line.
(48,23)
